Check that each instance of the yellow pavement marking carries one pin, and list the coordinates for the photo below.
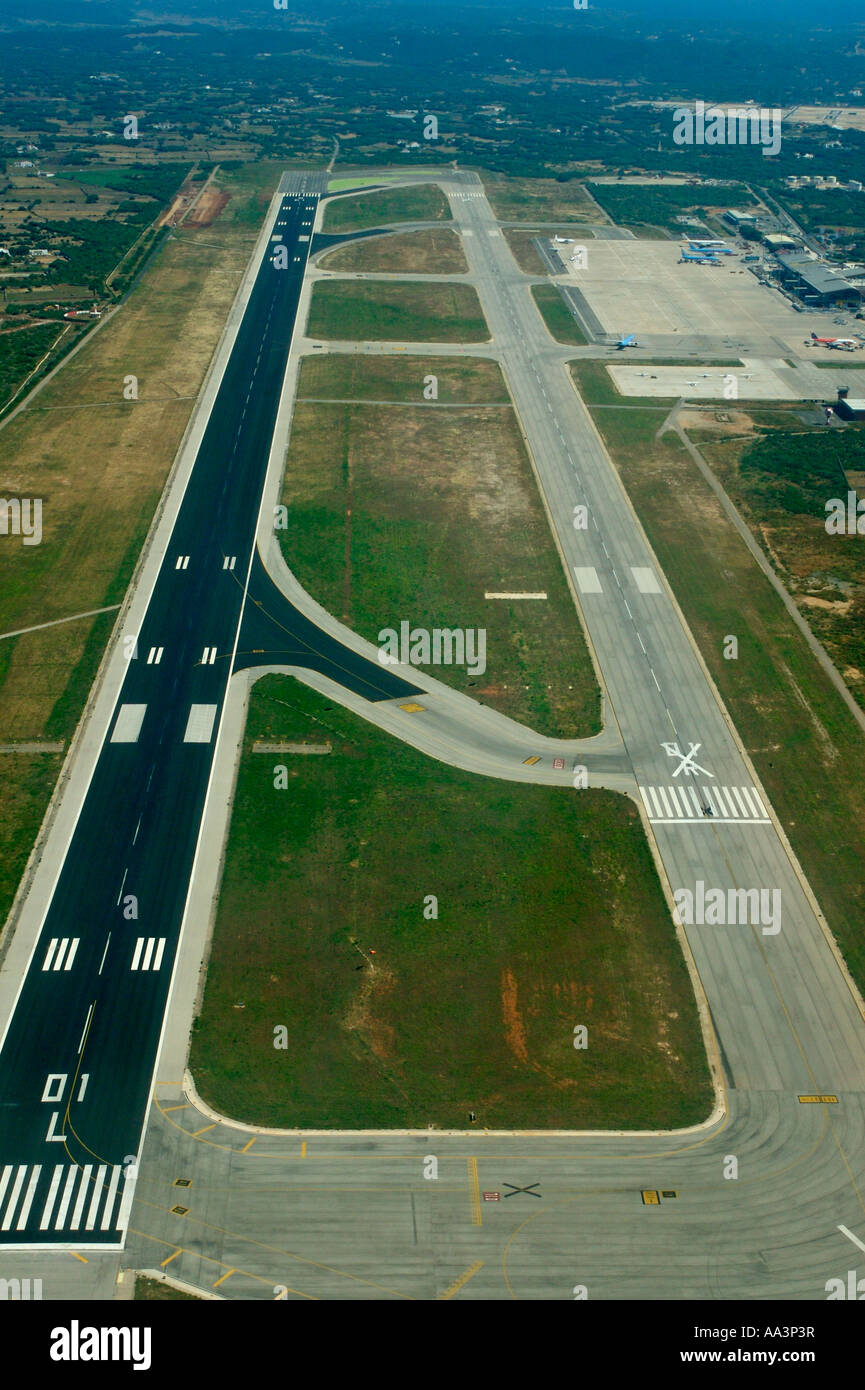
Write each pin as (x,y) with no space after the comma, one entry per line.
(530,762)
(272,1249)
(248,1146)
(818,1100)
(222,1278)
(178,1251)
(196,1132)
(651,1199)
(475,1192)
(76,1255)
(413,708)
(459,1283)
(303,1149)
(168,1109)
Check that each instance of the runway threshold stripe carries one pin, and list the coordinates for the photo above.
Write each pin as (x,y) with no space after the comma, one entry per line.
(66,1199)
(28,1197)
(109,1200)
(13,1197)
(80,1199)
(49,954)
(72,950)
(45,1219)
(96,1197)
(125,1203)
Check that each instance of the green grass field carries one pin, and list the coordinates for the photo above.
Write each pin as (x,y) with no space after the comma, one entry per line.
(381,310)
(460,380)
(515,199)
(557,316)
(434,251)
(356,212)
(549,915)
(415,513)
(154,1291)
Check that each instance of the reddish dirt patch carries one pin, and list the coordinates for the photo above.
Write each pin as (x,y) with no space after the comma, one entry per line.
(515,1033)
(361,1018)
(208,208)
(179,204)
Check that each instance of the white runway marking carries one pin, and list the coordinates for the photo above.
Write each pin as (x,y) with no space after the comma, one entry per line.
(665,807)
(56,957)
(587,579)
(144,956)
(646,580)
(850,1236)
(127,726)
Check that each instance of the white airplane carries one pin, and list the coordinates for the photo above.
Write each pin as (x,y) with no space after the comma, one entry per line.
(843,344)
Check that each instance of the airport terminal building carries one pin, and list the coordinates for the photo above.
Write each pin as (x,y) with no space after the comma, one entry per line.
(815,283)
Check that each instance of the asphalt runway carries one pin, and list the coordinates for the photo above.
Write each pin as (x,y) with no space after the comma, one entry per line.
(78,1055)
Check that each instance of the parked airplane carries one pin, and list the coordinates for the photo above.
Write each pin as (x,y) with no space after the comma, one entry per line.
(627,341)
(711,248)
(700,258)
(843,344)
